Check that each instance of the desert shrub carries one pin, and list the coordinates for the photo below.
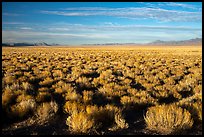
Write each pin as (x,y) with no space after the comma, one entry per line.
(112,108)
(43,89)
(120,121)
(45,74)
(47,110)
(14,87)
(80,122)
(59,90)
(63,88)
(72,95)
(127,81)
(22,109)
(138,100)
(198,89)
(59,84)
(26,86)
(168,119)
(198,107)
(91,109)
(95,82)
(85,78)
(103,117)
(33,79)
(43,97)
(84,82)
(18,74)
(58,73)
(23,97)
(46,82)
(7,98)
(87,96)
(132,91)
(194,105)
(73,107)
(23,79)
(126,100)
(26,73)
(196,110)
(106,90)
(108,116)
(3,82)
(10,92)
(9,79)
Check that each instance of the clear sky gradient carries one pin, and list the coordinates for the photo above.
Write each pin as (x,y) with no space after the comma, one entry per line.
(76,23)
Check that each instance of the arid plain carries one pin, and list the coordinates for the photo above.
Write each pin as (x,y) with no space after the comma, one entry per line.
(137,90)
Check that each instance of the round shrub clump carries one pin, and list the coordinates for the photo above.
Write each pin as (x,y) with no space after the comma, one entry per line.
(168,119)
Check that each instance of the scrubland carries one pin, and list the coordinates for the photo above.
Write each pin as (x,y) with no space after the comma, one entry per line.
(102,90)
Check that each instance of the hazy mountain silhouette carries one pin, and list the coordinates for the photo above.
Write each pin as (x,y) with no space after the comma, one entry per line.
(28,44)
(196,41)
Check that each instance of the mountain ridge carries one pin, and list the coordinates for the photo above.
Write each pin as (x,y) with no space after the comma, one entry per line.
(19,44)
(195,41)
(181,42)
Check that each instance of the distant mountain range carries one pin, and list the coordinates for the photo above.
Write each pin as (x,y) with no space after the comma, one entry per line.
(196,41)
(27,44)
(113,44)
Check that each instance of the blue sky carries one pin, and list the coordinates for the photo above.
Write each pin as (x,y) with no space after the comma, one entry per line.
(76,23)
